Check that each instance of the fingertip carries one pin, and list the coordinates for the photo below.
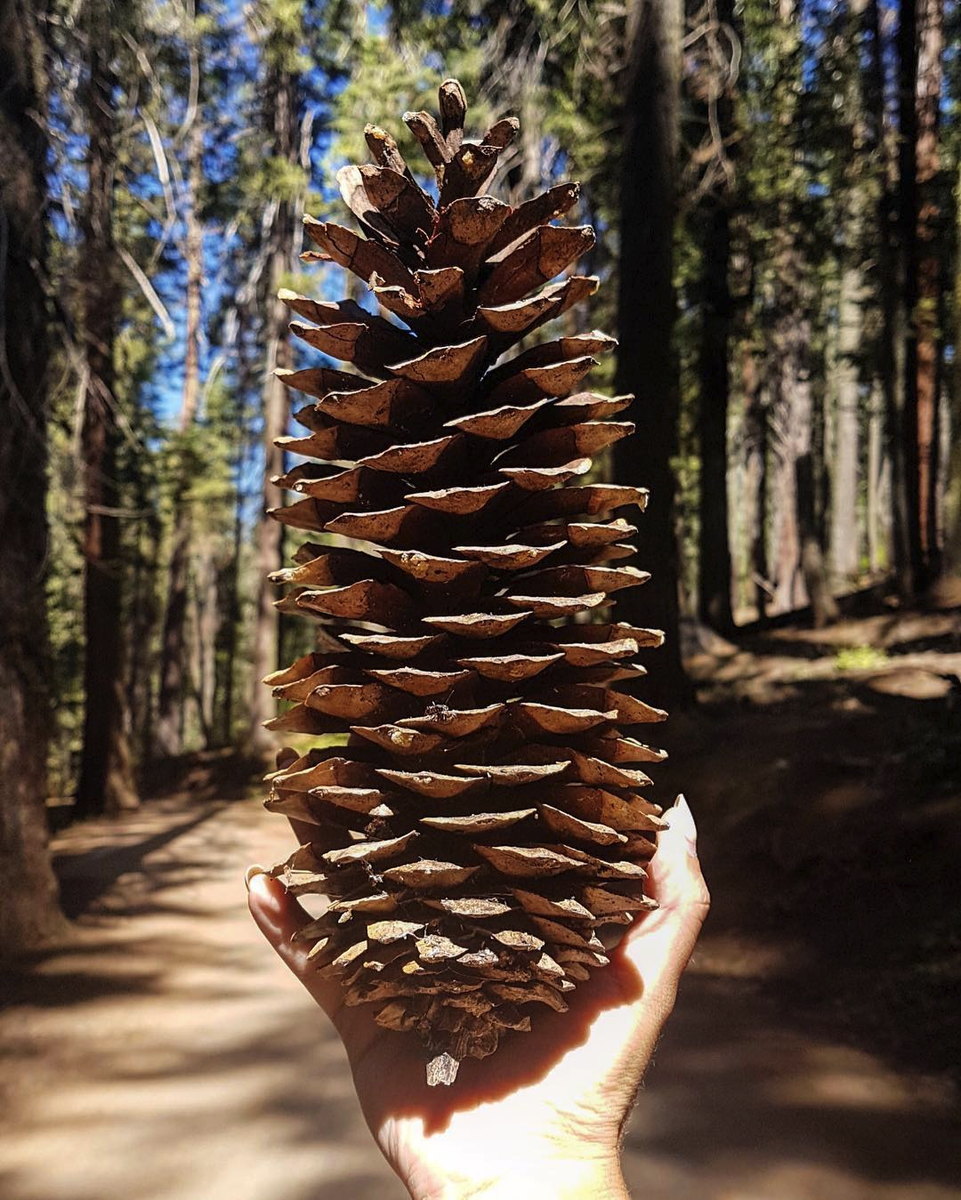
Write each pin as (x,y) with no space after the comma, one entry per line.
(682,822)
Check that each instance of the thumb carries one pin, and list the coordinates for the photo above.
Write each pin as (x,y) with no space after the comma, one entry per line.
(279,917)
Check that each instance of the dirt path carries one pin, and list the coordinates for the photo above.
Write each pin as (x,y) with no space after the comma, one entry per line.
(166,1055)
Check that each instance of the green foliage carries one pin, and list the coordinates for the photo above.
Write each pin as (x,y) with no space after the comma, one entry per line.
(861,658)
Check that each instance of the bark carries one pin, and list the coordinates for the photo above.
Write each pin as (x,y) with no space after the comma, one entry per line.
(927,306)
(170,705)
(106,777)
(800,572)
(952,521)
(907,209)
(282,117)
(756,478)
(893,318)
(845,556)
(844,542)
(875,469)
(647,364)
(714,550)
(29,909)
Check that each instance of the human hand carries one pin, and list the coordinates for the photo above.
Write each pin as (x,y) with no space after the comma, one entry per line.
(543,1116)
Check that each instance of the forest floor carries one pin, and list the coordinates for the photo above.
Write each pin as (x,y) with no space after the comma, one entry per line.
(163,1053)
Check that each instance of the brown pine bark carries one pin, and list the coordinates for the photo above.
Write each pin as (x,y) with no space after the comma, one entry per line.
(714,551)
(907,263)
(952,539)
(844,540)
(282,119)
(647,364)
(800,570)
(106,777)
(168,738)
(29,910)
(893,317)
(926,309)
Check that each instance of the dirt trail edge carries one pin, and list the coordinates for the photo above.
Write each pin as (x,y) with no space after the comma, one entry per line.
(165,1053)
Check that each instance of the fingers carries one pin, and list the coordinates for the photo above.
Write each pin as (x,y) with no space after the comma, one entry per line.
(660,943)
(279,916)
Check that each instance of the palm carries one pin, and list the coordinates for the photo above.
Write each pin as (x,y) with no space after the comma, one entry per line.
(572,1077)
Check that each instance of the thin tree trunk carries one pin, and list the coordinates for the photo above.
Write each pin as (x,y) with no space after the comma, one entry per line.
(845,556)
(647,363)
(281,110)
(952,516)
(169,729)
(907,207)
(800,572)
(891,342)
(873,486)
(106,777)
(29,910)
(927,308)
(845,550)
(144,614)
(756,478)
(714,551)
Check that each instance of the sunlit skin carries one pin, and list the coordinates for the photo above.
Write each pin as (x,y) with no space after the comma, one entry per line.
(543,1116)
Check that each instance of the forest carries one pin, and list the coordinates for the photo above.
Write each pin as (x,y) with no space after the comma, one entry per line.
(775,187)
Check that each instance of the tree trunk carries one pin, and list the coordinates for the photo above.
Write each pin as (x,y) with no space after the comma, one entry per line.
(29,911)
(845,556)
(282,117)
(952,515)
(169,730)
(714,551)
(891,341)
(756,478)
(875,468)
(647,363)
(927,308)
(907,208)
(844,542)
(106,777)
(800,573)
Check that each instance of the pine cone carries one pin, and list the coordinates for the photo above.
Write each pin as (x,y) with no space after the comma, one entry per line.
(479,819)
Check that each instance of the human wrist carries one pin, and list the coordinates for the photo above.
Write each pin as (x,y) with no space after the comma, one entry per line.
(599,1178)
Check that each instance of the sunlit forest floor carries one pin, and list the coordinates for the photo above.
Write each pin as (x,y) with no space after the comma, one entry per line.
(163,1052)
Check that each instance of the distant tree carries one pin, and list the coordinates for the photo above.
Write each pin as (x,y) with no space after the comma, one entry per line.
(711,179)
(106,781)
(173,649)
(284,179)
(927,309)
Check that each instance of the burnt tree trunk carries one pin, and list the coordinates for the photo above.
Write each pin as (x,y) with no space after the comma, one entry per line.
(647,364)
(29,910)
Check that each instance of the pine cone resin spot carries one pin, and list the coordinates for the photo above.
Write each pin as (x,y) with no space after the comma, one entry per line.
(479,828)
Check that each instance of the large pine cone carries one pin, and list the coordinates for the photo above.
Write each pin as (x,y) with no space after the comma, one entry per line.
(479,819)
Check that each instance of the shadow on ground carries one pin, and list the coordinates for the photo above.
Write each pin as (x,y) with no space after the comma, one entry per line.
(163,1053)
